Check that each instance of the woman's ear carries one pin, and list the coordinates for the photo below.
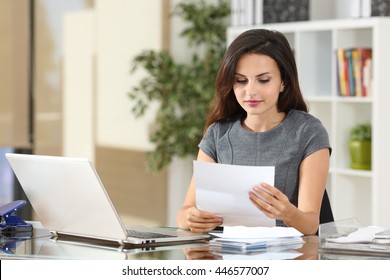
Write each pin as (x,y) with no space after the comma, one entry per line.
(281,87)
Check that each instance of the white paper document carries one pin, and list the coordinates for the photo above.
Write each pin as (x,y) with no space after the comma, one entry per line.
(283,255)
(224,189)
(242,232)
(264,242)
(361,235)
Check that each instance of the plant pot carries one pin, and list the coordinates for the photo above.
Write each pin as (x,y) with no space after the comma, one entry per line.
(360,152)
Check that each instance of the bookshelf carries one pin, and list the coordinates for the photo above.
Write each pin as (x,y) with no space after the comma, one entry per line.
(364,195)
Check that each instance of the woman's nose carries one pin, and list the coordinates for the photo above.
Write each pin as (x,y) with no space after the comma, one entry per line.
(251,88)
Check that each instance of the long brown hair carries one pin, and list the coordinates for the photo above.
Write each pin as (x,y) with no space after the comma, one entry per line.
(258,41)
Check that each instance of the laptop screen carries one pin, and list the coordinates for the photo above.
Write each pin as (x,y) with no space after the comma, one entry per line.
(67,195)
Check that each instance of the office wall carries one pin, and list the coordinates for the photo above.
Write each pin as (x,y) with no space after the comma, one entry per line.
(14,74)
(79,71)
(123,30)
(99,46)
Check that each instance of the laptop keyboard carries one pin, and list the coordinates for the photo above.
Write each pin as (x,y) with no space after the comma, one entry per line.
(146,235)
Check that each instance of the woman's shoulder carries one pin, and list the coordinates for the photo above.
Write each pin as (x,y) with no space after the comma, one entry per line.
(302,117)
(223,125)
(306,122)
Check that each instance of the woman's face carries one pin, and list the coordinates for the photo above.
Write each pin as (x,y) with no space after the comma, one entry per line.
(257,84)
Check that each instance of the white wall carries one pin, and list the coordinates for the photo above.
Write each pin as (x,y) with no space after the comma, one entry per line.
(99,48)
(78,85)
(123,30)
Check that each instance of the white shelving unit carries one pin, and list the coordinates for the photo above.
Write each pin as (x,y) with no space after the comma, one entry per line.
(364,195)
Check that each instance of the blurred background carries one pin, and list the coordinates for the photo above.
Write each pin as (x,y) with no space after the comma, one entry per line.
(64,83)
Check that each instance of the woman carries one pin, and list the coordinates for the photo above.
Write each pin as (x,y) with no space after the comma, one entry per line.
(259,117)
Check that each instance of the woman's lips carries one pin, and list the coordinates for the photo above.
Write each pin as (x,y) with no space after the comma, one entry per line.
(253,102)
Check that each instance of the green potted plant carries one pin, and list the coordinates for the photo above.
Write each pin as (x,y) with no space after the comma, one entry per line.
(360,146)
(182,90)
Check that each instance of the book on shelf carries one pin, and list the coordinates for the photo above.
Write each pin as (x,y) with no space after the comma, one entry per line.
(246,12)
(342,73)
(351,72)
(257,12)
(354,71)
(352,8)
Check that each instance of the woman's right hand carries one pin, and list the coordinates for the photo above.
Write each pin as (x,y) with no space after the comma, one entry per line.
(202,221)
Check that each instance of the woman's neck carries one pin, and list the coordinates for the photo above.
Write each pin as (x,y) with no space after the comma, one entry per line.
(256,123)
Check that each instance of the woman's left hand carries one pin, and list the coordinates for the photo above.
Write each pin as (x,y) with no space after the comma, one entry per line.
(272,202)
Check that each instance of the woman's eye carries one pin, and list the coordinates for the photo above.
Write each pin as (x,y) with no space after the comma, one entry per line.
(264,81)
(240,81)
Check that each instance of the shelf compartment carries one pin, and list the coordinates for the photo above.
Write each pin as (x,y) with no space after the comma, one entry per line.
(314,77)
(346,116)
(351,197)
(353,38)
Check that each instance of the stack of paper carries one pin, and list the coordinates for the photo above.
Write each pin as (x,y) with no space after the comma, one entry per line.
(241,239)
(363,240)
(382,237)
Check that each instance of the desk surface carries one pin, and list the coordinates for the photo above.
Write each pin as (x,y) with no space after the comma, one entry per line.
(42,246)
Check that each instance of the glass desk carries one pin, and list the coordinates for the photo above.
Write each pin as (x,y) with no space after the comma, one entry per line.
(41,245)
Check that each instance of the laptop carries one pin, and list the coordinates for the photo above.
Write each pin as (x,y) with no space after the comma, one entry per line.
(71,202)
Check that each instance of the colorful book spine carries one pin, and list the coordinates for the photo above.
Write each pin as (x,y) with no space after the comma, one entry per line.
(366,71)
(357,66)
(351,77)
(342,72)
(354,71)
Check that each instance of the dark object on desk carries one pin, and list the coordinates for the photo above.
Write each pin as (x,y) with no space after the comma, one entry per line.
(9,240)
(9,221)
(326,214)
(13,229)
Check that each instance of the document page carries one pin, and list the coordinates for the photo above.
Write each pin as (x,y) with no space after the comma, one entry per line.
(224,189)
